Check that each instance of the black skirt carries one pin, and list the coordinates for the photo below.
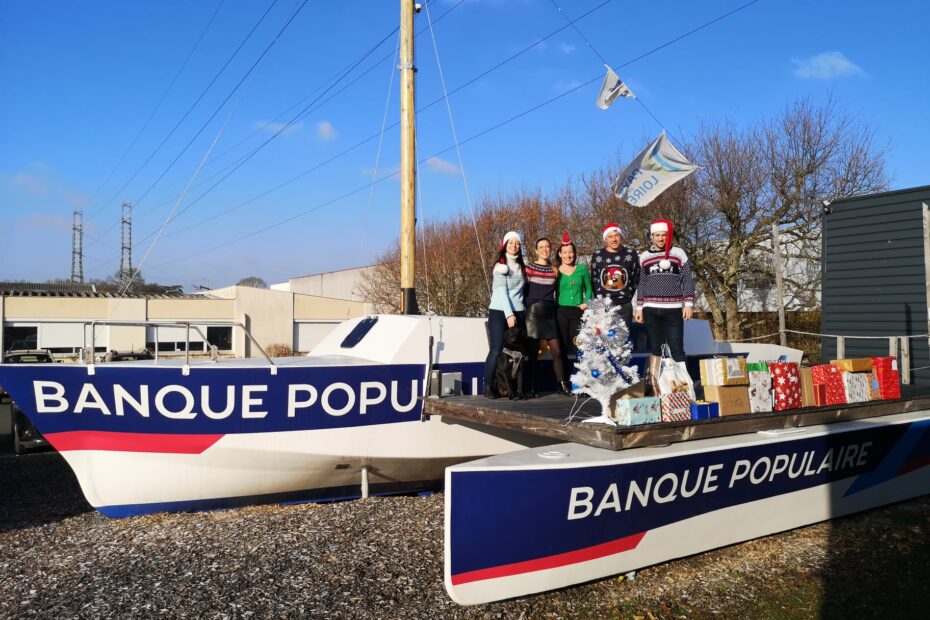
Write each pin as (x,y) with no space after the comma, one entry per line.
(540,320)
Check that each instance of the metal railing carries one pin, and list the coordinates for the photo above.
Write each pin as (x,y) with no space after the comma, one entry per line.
(896,345)
(187,325)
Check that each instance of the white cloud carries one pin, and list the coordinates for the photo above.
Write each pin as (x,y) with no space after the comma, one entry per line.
(326,131)
(74,198)
(437,164)
(567,48)
(825,66)
(35,180)
(46,222)
(274,128)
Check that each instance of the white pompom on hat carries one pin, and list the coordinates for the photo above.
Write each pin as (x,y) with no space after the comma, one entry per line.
(611,227)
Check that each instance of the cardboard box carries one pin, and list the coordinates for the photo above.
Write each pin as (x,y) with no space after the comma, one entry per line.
(856,386)
(724,371)
(703,410)
(630,411)
(732,399)
(858,364)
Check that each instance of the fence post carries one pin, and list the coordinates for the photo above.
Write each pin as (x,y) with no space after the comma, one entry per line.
(840,347)
(893,346)
(905,360)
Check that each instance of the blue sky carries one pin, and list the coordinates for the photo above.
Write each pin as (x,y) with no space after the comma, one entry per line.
(81,79)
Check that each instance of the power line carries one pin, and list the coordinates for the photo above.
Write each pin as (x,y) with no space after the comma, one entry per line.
(452,147)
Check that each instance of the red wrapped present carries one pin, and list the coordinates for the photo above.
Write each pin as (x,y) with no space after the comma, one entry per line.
(885,371)
(676,406)
(786,385)
(830,376)
(820,394)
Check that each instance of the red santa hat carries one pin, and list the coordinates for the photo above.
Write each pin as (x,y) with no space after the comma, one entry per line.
(611,227)
(566,240)
(665,226)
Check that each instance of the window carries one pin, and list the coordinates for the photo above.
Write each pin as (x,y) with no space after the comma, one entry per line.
(221,337)
(358,332)
(15,337)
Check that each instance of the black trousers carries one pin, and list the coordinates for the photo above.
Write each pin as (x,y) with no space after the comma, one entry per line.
(665,326)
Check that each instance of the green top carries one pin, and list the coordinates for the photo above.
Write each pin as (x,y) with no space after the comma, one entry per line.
(575,289)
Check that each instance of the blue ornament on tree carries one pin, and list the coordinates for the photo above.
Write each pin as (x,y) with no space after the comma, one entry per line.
(580,354)
(612,333)
(595,373)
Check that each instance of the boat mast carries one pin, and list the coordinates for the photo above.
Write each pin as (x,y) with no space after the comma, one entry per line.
(408,294)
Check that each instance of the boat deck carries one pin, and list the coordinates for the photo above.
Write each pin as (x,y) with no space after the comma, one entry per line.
(560,418)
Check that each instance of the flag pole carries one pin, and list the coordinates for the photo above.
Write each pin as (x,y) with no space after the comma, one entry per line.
(408,296)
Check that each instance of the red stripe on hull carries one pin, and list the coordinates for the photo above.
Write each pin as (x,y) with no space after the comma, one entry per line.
(131,442)
(552,561)
(914,464)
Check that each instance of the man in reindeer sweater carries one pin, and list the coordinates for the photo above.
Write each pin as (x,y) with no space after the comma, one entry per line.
(665,296)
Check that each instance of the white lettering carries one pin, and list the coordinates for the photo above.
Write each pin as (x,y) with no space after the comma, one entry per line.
(349,404)
(293,404)
(122,397)
(364,400)
(779,465)
(581,496)
(862,455)
(697,483)
(740,470)
(849,459)
(672,494)
(413,397)
(611,499)
(248,401)
(186,413)
(205,402)
(55,396)
(642,495)
(767,462)
(712,477)
(826,463)
(89,398)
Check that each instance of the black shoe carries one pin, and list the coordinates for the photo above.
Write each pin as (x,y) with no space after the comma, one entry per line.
(565,388)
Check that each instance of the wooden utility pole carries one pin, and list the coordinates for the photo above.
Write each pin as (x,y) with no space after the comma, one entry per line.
(408,295)
(779,286)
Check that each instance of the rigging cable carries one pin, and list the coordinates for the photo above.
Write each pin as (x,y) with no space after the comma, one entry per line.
(155,110)
(466,140)
(458,150)
(186,114)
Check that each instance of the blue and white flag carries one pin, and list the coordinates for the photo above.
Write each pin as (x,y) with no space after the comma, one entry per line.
(612,88)
(659,166)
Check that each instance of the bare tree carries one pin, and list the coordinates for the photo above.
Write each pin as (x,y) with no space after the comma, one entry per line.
(253,281)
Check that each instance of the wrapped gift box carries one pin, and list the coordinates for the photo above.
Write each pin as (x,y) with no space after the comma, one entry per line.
(786,385)
(724,371)
(675,407)
(703,410)
(760,389)
(808,389)
(831,377)
(885,370)
(858,364)
(875,391)
(731,399)
(630,411)
(856,386)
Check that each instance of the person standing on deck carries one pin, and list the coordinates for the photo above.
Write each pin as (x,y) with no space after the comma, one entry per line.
(665,297)
(615,272)
(573,291)
(540,315)
(506,310)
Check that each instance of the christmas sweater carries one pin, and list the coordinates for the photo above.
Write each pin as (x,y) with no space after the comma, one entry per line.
(507,288)
(540,283)
(662,286)
(615,274)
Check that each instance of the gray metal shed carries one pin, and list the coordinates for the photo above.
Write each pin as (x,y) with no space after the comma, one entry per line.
(876,276)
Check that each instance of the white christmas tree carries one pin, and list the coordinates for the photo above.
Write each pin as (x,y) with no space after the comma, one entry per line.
(603,350)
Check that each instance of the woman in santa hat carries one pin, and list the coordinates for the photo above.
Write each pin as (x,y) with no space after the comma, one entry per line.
(573,291)
(665,297)
(506,310)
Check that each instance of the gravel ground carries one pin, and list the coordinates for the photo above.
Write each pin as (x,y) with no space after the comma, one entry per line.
(382,558)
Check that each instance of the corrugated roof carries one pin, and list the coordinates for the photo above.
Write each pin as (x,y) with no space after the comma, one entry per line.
(74,289)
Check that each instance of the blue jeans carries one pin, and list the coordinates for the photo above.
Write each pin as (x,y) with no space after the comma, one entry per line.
(665,325)
(497,325)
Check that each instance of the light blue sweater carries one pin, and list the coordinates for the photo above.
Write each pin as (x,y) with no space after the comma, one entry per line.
(507,290)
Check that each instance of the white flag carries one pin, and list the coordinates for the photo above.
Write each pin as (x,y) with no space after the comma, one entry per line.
(656,169)
(612,88)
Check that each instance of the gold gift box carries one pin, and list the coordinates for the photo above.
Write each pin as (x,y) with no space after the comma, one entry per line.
(857,364)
